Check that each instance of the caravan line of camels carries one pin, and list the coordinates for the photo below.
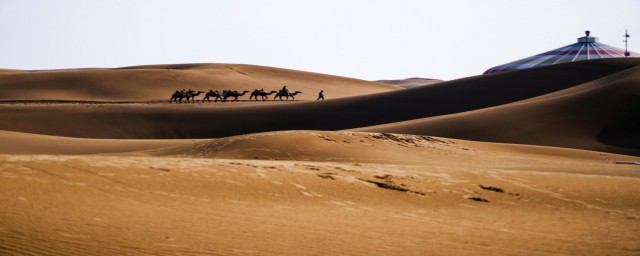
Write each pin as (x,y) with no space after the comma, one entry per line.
(190,95)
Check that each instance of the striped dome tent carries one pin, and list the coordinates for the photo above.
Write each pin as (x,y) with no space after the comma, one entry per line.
(587,48)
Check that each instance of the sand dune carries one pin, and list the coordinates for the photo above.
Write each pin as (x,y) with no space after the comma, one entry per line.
(451,197)
(3,70)
(322,146)
(26,143)
(261,178)
(598,115)
(158,82)
(165,121)
(367,148)
(410,82)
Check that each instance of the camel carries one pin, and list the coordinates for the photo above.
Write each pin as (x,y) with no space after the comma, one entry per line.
(262,93)
(192,94)
(216,94)
(234,94)
(177,95)
(286,94)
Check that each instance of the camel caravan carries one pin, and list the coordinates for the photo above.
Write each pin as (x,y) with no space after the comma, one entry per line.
(189,95)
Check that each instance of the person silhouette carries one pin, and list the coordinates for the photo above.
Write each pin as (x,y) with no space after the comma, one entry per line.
(321,95)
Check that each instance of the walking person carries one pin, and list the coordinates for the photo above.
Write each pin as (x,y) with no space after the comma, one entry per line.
(321,95)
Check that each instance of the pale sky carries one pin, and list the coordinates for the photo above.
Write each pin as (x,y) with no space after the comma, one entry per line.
(370,39)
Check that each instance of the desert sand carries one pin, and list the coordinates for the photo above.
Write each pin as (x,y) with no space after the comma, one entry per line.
(410,82)
(532,162)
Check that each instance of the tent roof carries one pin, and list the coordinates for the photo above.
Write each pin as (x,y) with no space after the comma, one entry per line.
(587,48)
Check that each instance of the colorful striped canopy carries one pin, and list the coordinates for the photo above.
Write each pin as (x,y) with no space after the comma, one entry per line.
(587,48)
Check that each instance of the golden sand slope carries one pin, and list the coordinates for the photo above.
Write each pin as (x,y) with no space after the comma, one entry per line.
(448,197)
(158,82)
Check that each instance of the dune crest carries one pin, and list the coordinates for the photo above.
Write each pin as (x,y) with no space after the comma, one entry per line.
(158,82)
(411,82)
(365,147)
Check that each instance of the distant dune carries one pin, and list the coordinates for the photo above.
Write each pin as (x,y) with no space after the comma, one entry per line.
(9,70)
(158,82)
(410,82)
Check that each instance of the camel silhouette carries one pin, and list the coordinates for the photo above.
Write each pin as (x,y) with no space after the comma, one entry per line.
(177,95)
(234,94)
(262,93)
(287,95)
(192,94)
(216,94)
